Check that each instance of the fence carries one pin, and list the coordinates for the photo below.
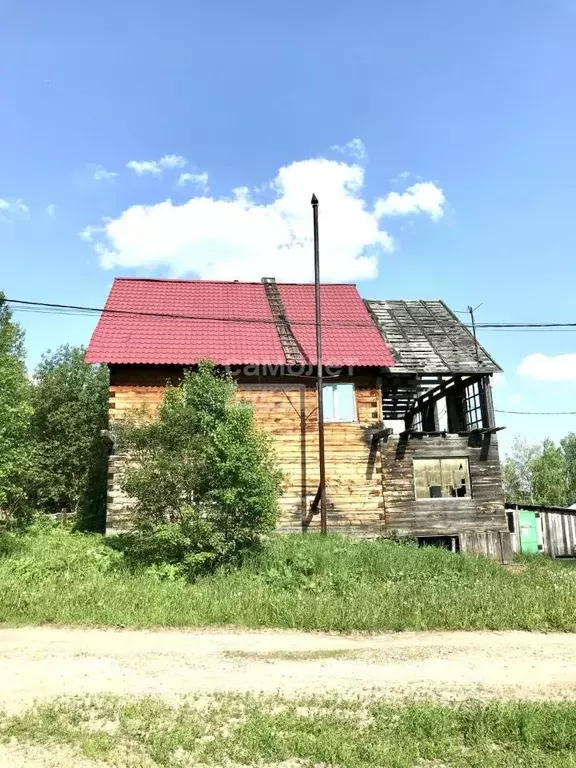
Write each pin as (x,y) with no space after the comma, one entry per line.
(550,530)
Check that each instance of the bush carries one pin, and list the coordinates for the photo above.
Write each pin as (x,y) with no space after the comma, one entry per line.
(202,476)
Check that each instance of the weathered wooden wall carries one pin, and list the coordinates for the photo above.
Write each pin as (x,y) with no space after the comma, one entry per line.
(408,516)
(287,410)
(557,530)
(497,545)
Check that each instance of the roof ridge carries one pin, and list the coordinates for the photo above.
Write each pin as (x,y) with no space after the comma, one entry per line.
(218,282)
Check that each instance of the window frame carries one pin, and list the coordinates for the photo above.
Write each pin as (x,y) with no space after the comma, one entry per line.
(465,459)
(336,419)
(473,406)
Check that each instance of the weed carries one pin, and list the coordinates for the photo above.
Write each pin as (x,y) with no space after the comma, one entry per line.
(300,582)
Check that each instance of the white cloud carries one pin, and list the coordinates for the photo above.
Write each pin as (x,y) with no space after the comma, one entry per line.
(144,166)
(355,148)
(245,236)
(101,174)
(16,207)
(423,197)
(199,179)
(87,234)
(549,367)
(51,210)
(155,167)
(172,161)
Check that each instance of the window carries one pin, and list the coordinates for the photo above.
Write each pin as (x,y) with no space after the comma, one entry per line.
(441,478)
(473,407)
(339,402)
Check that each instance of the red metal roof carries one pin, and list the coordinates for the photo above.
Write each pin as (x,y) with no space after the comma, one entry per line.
(230,323)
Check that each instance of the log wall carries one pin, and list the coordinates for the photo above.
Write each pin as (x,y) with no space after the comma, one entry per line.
(287,410)
(353,471)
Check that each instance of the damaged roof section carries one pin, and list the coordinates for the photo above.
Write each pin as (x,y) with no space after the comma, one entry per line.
(426,337)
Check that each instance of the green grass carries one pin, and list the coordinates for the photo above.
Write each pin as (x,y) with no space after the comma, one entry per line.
(248,730)
(305,582)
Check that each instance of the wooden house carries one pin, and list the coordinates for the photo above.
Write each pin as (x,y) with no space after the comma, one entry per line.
(385,364)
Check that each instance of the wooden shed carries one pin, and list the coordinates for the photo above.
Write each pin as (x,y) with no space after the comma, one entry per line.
(549,530)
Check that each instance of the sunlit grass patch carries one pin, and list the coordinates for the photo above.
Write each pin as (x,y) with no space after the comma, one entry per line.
(300,582)
(253,730)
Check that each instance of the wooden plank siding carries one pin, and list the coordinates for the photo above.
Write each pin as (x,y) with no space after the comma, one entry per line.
(559,533)
(497,545)
(288,413)
(287,410)
(557,529)
(408,516)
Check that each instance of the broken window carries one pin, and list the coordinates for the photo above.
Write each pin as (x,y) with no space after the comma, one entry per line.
(339,402)
(442,478)
(469,407)
(473,406)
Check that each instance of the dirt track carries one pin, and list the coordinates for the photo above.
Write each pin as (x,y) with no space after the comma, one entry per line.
(43,663)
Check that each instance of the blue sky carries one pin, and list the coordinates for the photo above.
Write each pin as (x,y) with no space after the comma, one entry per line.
(460,184)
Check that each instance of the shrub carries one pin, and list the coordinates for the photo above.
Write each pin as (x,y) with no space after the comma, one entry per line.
(202,476)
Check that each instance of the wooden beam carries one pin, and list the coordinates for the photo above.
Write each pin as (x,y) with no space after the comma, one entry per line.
(382,434)
(426,336)
(482,431)
(440,391)
(488,403)
(316,501)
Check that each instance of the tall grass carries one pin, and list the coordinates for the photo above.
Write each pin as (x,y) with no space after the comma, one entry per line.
(304,582)
(247,730)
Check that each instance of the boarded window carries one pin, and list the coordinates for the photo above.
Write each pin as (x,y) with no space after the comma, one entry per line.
(442,478)
(339,402)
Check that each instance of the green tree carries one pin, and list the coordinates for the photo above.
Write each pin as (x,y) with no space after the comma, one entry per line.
(568,444)
(549,476)
(70,402)
(202,475)
(517,471)
(15,411)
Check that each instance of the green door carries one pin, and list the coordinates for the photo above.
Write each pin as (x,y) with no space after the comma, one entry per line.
(529,539)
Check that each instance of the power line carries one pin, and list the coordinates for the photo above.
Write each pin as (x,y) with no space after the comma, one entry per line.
(525,325)
(42,307)
(538,413)
(74,309)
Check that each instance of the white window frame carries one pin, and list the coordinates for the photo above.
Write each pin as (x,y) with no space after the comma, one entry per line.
(440,459)
(335,419)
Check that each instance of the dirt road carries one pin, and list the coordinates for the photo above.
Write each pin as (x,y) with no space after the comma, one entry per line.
(43,663)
